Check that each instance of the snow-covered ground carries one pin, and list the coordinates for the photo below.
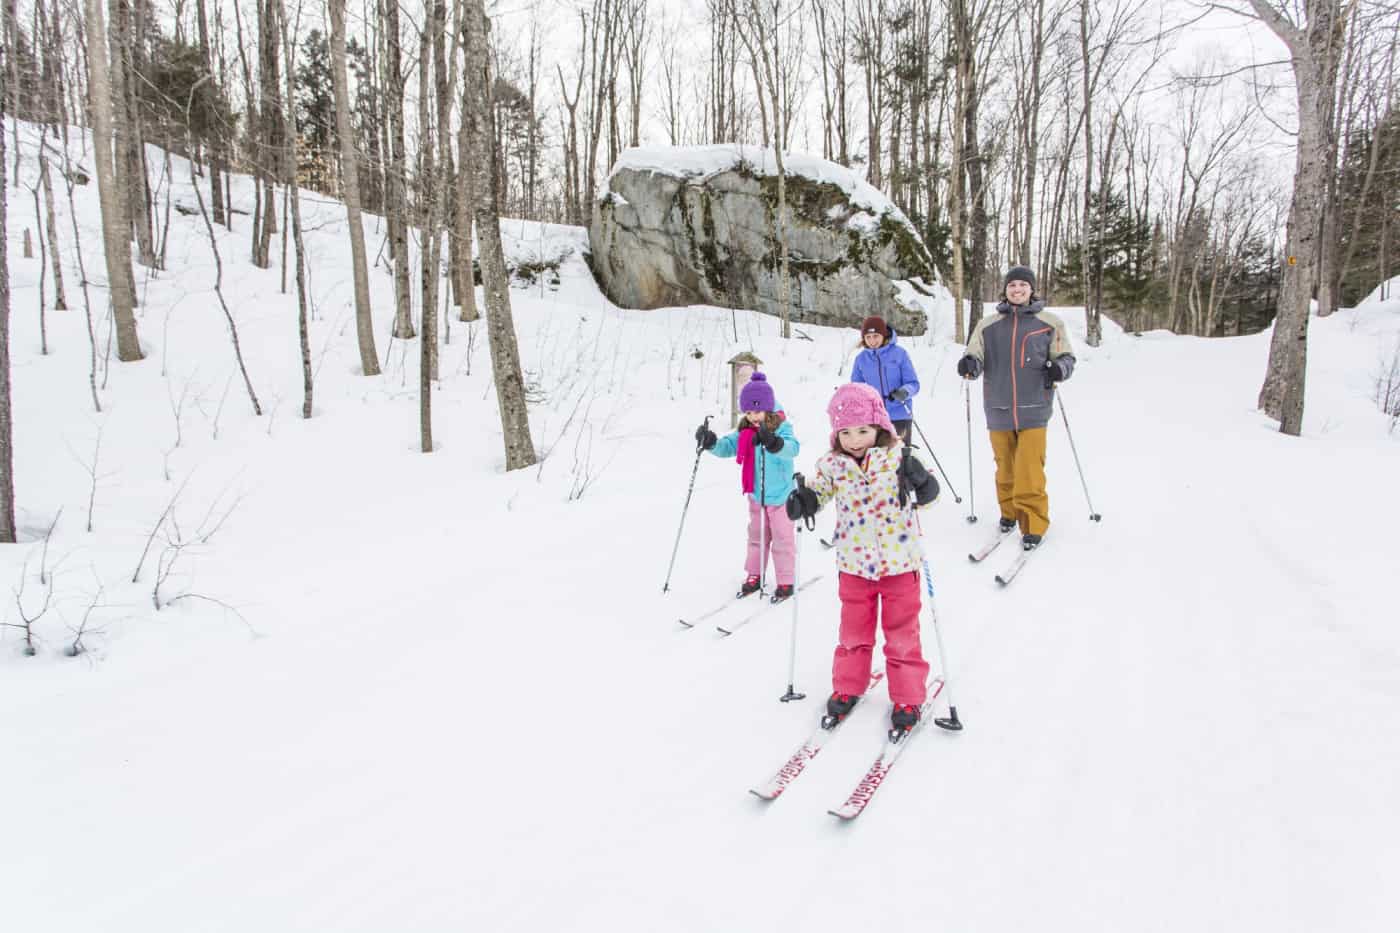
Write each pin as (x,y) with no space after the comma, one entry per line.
(418,693)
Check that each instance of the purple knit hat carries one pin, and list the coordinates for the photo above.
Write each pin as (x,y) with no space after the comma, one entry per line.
(757,394)
(854,404)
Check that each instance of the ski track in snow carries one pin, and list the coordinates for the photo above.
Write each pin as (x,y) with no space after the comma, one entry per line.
(457,699)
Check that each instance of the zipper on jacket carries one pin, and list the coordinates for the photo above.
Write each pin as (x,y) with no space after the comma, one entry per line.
(1043,330)
(1015,413)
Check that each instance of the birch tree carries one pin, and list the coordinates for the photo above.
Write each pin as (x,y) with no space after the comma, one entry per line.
(500,327)
(7,453)
(350,189)
(116,242)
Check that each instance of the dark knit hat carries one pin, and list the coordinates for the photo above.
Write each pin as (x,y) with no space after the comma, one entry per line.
(875,325)
(1019,274)
(757,394)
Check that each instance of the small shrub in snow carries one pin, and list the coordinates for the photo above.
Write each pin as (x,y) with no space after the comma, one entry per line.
(1387,385)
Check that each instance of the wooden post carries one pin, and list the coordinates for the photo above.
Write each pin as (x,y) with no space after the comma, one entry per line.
(741,368)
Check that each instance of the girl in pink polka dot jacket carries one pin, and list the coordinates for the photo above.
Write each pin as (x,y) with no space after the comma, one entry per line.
(874,479)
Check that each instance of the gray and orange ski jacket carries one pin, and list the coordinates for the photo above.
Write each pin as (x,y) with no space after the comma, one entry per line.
(1013,347)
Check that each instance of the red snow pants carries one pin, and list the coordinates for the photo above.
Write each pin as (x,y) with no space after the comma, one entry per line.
(895,602)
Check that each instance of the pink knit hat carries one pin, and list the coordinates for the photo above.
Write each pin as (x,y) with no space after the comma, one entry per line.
(854,404)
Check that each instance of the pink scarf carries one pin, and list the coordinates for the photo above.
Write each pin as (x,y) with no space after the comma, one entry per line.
(745,452)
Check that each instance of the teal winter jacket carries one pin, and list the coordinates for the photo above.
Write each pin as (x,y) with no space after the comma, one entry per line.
(772,473)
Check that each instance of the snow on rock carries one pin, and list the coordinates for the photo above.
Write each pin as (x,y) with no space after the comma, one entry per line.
(698,225)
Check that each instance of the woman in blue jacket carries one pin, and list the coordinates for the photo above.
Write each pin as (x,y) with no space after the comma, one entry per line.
(885,366)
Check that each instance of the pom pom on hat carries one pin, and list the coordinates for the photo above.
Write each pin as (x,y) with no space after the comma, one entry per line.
(757,394)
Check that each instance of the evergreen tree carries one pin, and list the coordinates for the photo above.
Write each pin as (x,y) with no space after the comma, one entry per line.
(1370,211)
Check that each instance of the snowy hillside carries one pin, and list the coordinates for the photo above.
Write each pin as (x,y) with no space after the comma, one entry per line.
(414,692)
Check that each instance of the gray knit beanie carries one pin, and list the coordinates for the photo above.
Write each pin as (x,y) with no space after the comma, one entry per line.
(1019,274)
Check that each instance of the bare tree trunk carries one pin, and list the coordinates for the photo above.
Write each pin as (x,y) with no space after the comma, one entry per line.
(215,152)
(294,191)
(1093,331)
(131,170)
(56,260)
(870,41)
(268,135)
(462,264)
(976,176)
(760,28)
(219,288)
(115,237)
(602,80)
(505,355)
(572,196)
(957,198)
(1030,126)
(430,53)
(350,182)
(1315,52)
(396,207)
(7,430)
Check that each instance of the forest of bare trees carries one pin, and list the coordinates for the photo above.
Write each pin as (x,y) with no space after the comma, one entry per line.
(1125,149)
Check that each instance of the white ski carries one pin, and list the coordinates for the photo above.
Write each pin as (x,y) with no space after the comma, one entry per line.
(797,763)
(696,620)
(1009,574)
(860,797)
(730,630)
(985,551)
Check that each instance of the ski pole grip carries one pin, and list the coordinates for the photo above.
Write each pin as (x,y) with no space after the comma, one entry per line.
(808,521)
(706,423)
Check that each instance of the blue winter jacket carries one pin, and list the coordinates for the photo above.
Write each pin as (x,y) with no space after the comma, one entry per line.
(888,368)
(772,473)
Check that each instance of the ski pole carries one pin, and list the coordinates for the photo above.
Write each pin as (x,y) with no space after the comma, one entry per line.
(796,581)
(929,448)
(971,500)
(951,721)
(762,513)
(686,508)
(1093,516)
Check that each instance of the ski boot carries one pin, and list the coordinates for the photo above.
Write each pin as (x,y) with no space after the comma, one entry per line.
(838,707)
(902,719)
(781,593)
(1030,542)
(747,588)
(1007,525)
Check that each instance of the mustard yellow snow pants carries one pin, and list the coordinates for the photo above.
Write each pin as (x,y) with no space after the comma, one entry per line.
(1020,457)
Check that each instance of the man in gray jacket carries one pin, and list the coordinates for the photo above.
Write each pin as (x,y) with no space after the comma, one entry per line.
(1024,350)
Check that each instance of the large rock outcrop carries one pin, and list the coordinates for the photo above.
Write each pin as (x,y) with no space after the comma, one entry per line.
(699,225)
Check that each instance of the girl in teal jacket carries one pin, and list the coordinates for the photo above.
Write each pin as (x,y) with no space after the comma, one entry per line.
(765,447)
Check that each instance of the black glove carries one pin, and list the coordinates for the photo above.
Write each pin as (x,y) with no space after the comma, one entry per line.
(898,395)
(969,367)
(705,438)
(802,503)
(1054,373)
(913,476)
(770,441)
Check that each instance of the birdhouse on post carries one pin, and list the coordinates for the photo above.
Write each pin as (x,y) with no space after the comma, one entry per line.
(740,369)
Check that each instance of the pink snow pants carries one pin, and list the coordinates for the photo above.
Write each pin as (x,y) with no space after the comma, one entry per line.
(780,534)
(905,667)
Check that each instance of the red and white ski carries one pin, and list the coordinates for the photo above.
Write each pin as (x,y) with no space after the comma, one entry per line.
(797,763)
(860,797)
